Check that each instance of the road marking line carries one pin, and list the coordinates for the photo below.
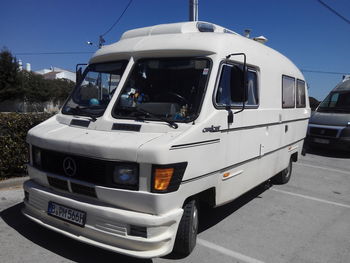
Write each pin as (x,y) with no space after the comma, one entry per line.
(311,198)
(323,168)
(227,252)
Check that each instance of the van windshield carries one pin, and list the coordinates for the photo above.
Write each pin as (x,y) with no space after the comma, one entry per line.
(92,95)
(169,89)
(336,102)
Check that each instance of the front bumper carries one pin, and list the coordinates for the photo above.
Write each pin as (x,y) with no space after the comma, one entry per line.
(106,226)
(329,143)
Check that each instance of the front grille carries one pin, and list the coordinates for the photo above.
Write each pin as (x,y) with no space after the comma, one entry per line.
(94,171)
(325,132)
(58,183)
(87,169)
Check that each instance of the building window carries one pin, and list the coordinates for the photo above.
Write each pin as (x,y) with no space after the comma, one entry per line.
(230,90)
(300,94)
(288,94)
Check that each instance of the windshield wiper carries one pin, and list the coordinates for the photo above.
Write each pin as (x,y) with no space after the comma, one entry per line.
(81,110)
(172,124)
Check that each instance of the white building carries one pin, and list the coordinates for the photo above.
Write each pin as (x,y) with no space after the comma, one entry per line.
(57,73)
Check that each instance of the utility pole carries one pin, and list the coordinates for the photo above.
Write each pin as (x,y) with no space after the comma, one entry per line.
(193,10)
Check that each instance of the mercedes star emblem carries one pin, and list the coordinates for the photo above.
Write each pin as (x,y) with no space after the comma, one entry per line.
(69,166)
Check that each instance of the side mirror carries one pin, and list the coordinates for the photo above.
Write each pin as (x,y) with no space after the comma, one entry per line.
(79,72)
(79,76)
(239,91)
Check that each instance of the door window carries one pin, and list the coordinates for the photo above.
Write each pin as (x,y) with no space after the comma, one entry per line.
(230,89)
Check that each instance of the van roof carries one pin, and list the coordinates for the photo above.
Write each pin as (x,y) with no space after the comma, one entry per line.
(190,39)
(343,86)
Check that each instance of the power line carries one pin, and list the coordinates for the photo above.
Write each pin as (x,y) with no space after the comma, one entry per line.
(52,53)
(116,22)
(89,52)
(334,11)
(324,72)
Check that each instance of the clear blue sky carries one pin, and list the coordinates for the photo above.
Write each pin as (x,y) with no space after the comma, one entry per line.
(303,30)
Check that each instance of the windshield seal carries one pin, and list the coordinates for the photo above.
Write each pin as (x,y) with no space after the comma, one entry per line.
(152,117)
(91,96)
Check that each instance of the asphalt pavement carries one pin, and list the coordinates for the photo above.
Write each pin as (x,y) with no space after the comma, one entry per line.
(306,220)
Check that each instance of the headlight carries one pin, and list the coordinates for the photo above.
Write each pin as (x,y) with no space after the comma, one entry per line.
(36,157)
(126,175)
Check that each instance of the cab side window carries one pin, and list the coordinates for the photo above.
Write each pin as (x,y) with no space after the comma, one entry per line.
(223,96)
(230,89)
(288,92)
(300,94)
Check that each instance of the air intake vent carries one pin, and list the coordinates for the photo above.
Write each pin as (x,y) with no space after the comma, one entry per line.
(126,127)
(138,231)
(58,183)
(82,123)
(82,189)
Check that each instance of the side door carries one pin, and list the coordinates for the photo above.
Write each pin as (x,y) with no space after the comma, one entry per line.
(242,139)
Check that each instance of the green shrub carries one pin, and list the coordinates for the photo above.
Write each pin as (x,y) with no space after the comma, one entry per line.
(13,147)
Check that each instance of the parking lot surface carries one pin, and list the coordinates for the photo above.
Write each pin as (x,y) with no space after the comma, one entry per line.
(306,220)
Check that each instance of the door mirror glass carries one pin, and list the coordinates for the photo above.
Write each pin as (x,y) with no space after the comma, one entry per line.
(238,86)
(79,73)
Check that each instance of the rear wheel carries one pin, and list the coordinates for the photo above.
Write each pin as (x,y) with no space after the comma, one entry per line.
(186,236)
(284,176)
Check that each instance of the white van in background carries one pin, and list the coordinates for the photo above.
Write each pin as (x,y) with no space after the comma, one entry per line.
(167,118)
(329,125)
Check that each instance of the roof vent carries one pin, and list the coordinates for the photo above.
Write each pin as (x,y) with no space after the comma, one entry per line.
(205,27)
(261,39)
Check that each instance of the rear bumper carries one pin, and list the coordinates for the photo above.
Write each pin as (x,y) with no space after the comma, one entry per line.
(106,227)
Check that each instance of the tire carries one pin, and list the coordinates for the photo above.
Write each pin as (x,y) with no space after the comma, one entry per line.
(186,236)
(284,176)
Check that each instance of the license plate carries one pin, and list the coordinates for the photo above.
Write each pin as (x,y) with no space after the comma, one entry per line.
(324,141)
(68,214)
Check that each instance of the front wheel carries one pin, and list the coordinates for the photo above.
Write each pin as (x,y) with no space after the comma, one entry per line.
(186,236)
(284,176)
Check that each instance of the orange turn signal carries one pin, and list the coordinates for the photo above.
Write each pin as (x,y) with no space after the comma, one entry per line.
(226,175)
(162,178)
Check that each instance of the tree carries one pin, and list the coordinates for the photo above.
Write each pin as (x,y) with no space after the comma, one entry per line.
(29,86)
(313,103)
(10,87)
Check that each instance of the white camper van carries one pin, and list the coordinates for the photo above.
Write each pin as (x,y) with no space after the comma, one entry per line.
(167,118)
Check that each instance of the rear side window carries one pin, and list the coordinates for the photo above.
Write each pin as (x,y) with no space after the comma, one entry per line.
(288,94)
(300,94)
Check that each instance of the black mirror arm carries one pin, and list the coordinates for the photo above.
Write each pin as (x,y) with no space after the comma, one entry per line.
(230,115)
(244,77)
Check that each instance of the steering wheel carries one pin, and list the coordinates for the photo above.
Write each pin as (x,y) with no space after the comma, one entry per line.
(170,94)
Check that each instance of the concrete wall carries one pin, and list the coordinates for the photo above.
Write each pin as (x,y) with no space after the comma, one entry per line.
(22,106)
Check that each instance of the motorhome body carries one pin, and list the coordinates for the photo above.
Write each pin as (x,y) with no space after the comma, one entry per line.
(329,126)
(199,114)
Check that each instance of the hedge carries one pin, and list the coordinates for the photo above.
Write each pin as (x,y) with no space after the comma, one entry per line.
(13,147)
